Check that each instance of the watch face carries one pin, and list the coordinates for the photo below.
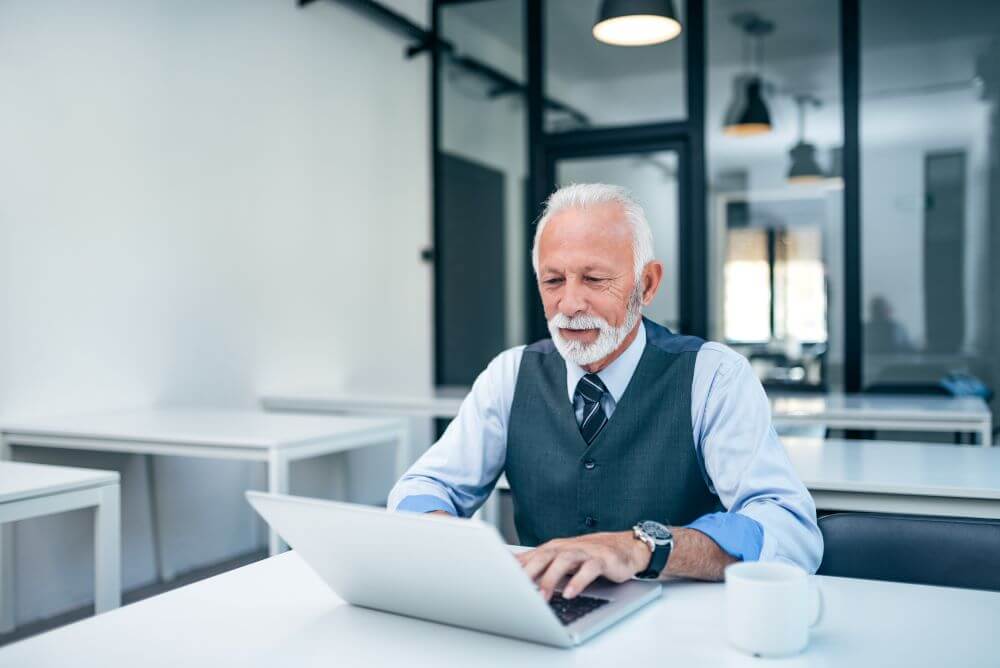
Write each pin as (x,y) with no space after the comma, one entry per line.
(656,531)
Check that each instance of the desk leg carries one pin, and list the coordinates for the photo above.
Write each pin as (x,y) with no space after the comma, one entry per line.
(7,602)
(107,550)
(404,453)
(490,510)
(986,435)
(156,535)
(277,483)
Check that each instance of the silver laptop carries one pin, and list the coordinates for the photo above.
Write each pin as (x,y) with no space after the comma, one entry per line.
(445,570)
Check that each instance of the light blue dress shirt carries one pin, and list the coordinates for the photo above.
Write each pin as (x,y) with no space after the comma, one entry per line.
(770,514)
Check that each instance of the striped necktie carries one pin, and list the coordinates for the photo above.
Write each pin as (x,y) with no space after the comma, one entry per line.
(591,389)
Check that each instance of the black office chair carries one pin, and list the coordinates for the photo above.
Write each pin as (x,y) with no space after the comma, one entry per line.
(949,552)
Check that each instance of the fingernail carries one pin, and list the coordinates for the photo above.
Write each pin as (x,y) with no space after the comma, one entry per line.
(569,592)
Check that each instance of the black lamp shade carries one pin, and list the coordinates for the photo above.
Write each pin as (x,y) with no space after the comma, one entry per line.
(804,168)
(750,115)
(636,22)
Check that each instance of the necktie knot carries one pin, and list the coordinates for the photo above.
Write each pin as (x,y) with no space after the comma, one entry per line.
(591,388)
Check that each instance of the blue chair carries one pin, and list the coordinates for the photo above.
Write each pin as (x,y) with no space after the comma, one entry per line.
(949,552)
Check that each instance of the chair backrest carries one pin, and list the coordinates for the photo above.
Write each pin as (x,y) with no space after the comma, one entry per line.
(949,552)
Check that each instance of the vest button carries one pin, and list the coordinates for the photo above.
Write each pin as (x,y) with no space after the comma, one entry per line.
(589,464)
(590,521)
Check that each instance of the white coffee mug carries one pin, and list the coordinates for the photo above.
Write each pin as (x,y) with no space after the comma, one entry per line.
(770,608)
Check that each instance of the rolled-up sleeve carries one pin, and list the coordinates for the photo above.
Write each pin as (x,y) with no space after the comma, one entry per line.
(459,471)
(745,463)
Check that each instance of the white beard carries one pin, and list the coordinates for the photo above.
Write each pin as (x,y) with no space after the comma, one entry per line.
(608,338)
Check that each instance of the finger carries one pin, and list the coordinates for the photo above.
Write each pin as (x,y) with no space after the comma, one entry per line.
(523,557)
(587,573)
(537,562)
(561,566)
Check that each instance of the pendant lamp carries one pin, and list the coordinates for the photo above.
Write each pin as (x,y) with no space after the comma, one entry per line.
(636,22)
(749,114)
(803,168)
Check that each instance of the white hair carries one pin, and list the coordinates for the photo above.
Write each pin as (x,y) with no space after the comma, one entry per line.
(586,195)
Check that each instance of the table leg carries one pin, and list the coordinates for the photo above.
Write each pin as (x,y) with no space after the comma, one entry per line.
(7,602)
(162,573)
(404,453)
(277,483)
(490,510)
(107,550)
(986,434)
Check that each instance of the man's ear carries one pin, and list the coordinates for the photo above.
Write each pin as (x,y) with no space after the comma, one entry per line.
(651,277)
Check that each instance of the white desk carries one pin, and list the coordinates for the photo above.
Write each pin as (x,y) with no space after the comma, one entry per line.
(894,412)
(34,490)
(440,403)
(891,477)
(276,440)
(279,613)
(836,411)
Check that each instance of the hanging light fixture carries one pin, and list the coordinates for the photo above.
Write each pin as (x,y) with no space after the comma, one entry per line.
(803,168)
(748,114)
(636,22)
(835,177)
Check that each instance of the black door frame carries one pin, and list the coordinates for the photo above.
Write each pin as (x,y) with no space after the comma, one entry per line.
(611,147)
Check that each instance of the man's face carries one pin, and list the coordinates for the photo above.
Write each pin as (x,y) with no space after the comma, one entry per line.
(585,268)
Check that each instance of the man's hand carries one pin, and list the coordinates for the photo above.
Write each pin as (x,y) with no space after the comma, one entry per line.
(617,556)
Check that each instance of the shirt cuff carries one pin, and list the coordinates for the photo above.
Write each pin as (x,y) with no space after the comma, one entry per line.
(739,536)
(425,503)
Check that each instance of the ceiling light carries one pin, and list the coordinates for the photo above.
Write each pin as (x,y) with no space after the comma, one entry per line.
(636,22)
(803,168)
(748,114)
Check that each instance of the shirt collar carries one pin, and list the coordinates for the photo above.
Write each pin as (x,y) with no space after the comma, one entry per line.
(616,375)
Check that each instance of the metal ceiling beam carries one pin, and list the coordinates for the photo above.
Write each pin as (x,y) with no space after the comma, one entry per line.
(425,39)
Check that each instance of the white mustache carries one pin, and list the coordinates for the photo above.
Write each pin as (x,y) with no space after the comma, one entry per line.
(578,322)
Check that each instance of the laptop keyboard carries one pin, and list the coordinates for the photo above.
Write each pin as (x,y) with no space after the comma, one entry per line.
(568,610)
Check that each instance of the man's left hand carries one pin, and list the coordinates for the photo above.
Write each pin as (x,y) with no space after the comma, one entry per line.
(615,555)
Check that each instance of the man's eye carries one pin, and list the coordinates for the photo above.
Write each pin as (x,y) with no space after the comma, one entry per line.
(552,281)
(592,279)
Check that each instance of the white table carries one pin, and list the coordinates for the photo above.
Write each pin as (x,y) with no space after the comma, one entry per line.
(277,612)
(276,440)
(886,412)
(34,490)
(892,477)
(439,403)
(836,411)
(886,476)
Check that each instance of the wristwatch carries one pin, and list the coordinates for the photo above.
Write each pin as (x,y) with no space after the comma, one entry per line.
(660,542)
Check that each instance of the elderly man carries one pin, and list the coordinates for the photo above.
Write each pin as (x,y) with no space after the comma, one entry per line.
(630,450)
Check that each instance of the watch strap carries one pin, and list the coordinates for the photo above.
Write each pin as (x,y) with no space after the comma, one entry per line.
(657,562)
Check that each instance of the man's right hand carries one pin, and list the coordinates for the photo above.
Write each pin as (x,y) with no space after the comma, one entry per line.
(440,512)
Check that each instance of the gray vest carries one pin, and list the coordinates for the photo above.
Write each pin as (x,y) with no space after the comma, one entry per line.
(642,466)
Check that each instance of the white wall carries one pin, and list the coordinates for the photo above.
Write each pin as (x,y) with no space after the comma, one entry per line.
(200,200)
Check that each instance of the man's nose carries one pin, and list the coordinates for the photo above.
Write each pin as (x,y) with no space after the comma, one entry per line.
(572,302)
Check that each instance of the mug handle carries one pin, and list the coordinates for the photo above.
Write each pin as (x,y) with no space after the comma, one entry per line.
(819,606)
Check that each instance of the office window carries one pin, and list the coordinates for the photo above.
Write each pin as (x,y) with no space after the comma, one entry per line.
(774,133)
(930,207)
(591,84)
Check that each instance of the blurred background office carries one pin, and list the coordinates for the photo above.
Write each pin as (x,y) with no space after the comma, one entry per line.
(206,200)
